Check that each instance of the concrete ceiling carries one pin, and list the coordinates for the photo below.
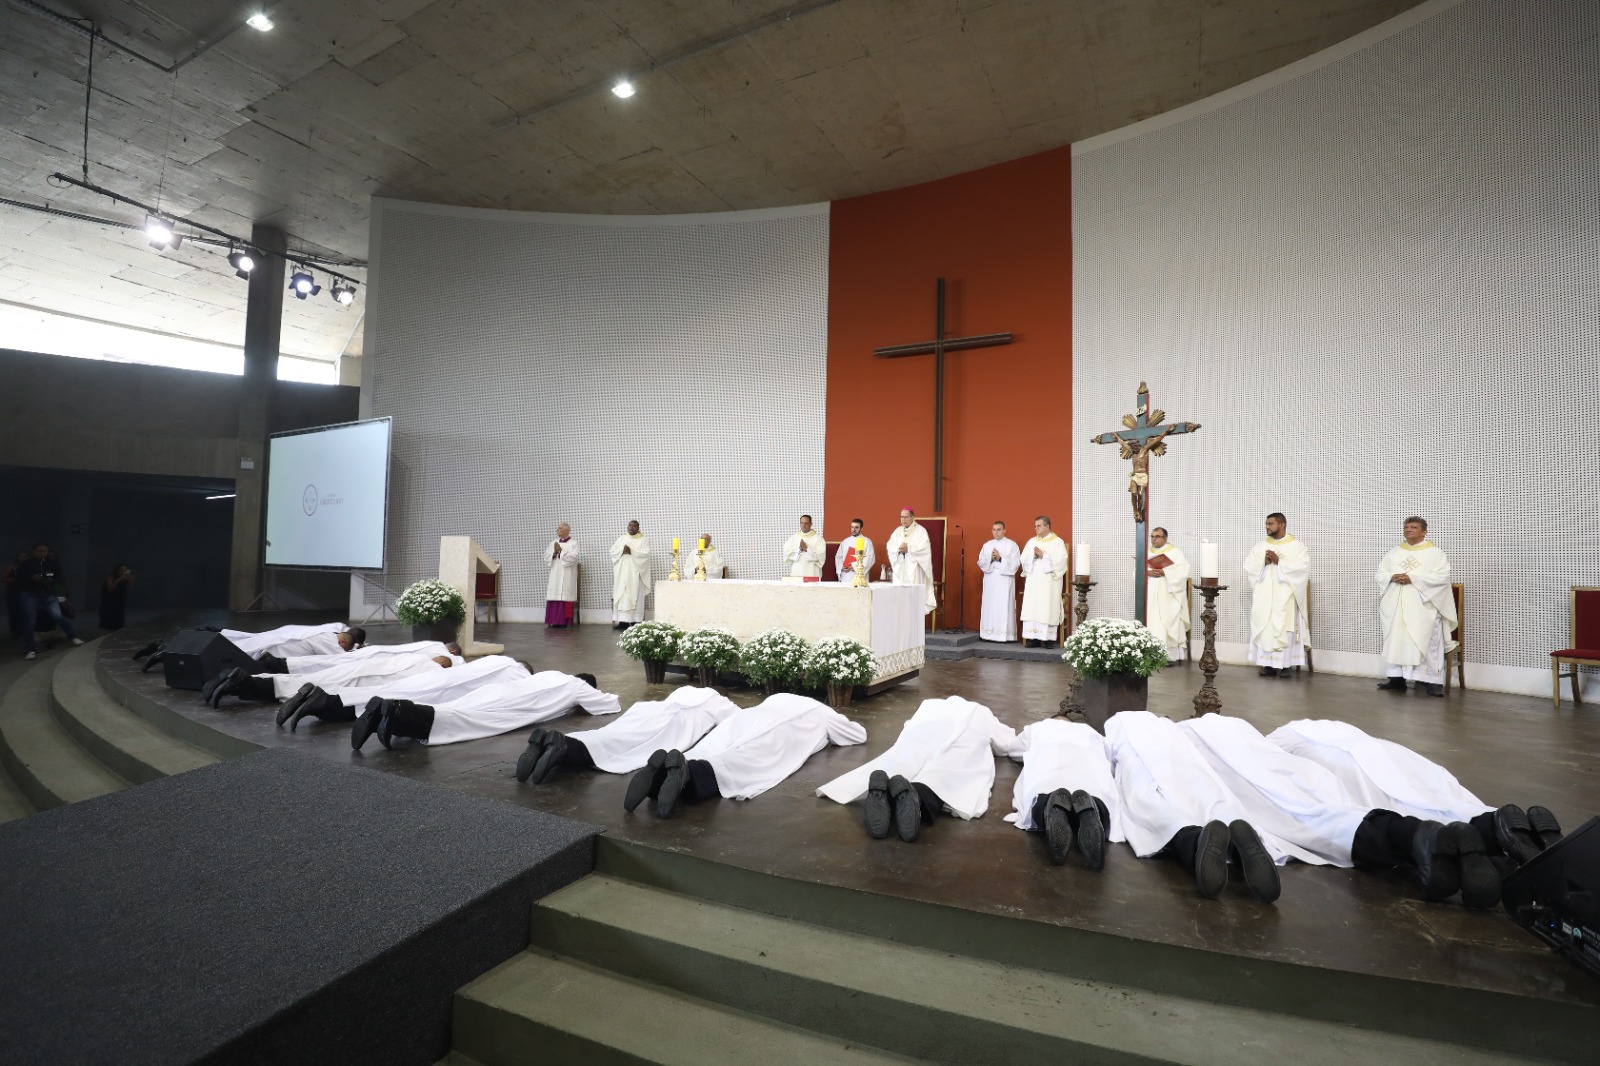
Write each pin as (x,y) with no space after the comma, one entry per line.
(504,103)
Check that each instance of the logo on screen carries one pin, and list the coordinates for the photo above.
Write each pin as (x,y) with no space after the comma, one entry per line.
(308,500)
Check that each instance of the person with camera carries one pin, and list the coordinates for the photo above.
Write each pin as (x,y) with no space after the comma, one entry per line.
(38,579)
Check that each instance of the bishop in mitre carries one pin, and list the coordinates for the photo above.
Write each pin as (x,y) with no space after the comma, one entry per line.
(561,591)
(999,559)
(1167,595)
(1418,610)
(1044,560)
(711,555)
(806,551)
(1279,570)
(911,556)
(630,577)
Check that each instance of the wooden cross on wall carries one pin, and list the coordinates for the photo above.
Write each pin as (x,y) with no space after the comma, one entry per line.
(1143,436)
(937,347)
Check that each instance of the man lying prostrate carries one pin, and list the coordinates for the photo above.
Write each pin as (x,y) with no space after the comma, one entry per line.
(491,708)
(339,704)
(333,673)
(624,745)
(747,753)
(943,760)
(332,638)
(299,664)
(1171,803)
(1065,790)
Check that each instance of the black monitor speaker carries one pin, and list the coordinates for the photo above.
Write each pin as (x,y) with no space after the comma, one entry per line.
(1556,896)
(194,656)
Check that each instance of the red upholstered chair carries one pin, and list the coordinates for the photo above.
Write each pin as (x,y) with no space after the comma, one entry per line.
(486,594)
(830,572)
(938,528)
(1583,621)
(1458,655)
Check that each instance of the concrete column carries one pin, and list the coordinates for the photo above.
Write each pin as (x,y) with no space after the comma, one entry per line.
(263,329)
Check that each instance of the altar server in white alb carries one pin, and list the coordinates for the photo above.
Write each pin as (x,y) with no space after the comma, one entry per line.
(911,557)
(350,673)
(942,762)
(1279,571)
(625,744)
(302,664)
(1418,610)
(339,704)
(747,753)
(1065,790)
(1171,803)
(999,559)
(844,559)
(806,551)
(285,641)
(490,709)
(561,590)
(630,577)
(1167,595)
(1044,560)
(711,555)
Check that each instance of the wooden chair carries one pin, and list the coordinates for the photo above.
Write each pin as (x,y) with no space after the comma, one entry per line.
(1583,636)
(1188,640)
(577,590)
(486,594)
(1458,653)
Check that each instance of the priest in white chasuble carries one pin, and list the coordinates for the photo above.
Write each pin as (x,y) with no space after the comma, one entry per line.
(1044,560)
(711,555)
(999,559)
(561,591)
(844,559)
(911,556)
(1167,595)
(1418,610)
(806,551)
(1279,570)
(630,577)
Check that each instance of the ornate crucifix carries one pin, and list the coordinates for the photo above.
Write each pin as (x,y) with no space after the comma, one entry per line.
(1142,437)
(938,346)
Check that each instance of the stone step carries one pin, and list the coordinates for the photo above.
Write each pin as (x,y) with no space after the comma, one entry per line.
(539,1009)
(13,804)
(128,745)
(47,765)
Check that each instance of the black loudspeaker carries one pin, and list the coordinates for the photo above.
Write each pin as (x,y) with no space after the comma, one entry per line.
(194,656)
(1556,897)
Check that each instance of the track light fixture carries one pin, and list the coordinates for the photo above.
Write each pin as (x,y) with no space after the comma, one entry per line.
(345,294)
(162,234)
(623,89)
(259,21)
(302,284)
(241,261)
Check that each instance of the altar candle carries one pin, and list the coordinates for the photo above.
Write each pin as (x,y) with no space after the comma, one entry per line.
(702,544)
(861,546)
(1208,559)
(1083,560)
(674,543)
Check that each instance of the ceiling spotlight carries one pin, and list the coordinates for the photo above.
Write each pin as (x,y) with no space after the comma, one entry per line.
(623,89)
(259,21)
(345,294)
(161,233)
(242,262)
(302,284)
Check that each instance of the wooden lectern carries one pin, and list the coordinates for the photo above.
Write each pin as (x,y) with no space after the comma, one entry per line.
(460,563)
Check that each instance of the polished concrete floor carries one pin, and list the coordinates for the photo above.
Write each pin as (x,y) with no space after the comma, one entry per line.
(1504,748)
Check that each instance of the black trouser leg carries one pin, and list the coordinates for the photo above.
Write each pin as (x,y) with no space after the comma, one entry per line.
(1383,840)
(932,805)
(256,688)
(577,756)
(1183,846)
(271,664)
(1484,824)
(702,778)
(1037,812)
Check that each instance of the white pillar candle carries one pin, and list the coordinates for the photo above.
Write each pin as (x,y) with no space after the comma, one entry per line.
(1208,559)
(1083,560)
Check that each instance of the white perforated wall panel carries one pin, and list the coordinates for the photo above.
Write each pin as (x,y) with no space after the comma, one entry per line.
(1375,284)
(595,369)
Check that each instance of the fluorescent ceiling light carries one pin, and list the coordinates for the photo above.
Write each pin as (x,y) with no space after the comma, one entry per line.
(224,496)
(259,21)
(623,89)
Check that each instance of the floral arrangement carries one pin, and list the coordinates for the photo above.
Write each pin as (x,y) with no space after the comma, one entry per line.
(776,655)
(653,642)
(840,661)
(430,600)
(1103,646)
(712,648)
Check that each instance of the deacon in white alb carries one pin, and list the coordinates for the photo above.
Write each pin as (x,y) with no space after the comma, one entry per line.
(1418,610)
(844,560)
(1167,595)
(911,556)
(1279,569)
(1044,560)
(712,557)
(339,704)
(1172,803)
(747,753)
(561,591)
(1000,559)
(491,708)
(1065,790)
(630,577)
(286,641)
(625,744)
(351,672)
(943,760)
(301,664)
(805,551)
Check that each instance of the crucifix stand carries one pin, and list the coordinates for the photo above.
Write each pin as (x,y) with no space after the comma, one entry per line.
(1142,437)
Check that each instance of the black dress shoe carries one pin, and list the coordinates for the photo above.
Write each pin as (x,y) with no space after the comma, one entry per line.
(1394,684)
(227,685)
(367,724)
(1480,881)
(1058,826)
(155,657)
(1260,872)
(292,704)
(386,724)
(1513,833)
(1091,832)
(1436,690)
(646,784)
(1433,856)
(149,649)
(319,704)
(1544,826)
(551,760)
(877,804)
(673,783)
(530,754)
(211,686)
(907,808)
(1211,860)
(1269,671)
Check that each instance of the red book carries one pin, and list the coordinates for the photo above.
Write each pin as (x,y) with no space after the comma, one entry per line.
(1158,562)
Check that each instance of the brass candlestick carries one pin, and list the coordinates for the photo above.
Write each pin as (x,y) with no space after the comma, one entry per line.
(861,581)
(1206,701)
(674,576)
(1074,698)
(700,564)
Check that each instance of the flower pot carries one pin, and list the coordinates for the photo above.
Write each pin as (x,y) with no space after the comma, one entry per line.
(1106,696)
(772,686)
(705,676)
(443,630)
(655,671)
(839,695)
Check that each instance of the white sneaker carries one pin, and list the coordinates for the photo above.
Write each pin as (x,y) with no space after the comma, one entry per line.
(76,642)
(26,656)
